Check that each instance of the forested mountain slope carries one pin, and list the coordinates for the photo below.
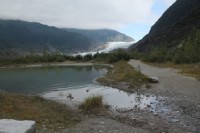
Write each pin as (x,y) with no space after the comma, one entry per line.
(177,31)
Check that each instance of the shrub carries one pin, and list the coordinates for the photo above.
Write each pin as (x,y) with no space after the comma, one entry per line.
(87,57)
(93,104)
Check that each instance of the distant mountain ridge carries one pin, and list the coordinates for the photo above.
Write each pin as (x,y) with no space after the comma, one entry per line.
(20,38)
(102,36)
(173,27)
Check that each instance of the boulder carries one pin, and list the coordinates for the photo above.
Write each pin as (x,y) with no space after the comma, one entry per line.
(15,126)
(153,79)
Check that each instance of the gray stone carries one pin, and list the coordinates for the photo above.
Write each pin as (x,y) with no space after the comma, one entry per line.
(15,126)
(153,79)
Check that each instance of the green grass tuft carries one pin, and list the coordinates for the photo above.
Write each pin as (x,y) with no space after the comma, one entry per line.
(122,74)
(93,105)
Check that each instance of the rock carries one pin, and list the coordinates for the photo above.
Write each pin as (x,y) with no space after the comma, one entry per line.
(148,106)
(15,126)
(153,79)
(155,114)
(70,96)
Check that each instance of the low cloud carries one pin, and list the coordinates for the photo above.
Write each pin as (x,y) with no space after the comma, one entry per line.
(80,13)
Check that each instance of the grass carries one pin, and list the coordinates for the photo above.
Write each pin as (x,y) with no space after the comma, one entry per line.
(49,114)
(192,70)
(124,76)
(93,105)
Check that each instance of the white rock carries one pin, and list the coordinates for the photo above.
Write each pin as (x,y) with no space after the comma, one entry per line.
(15,126)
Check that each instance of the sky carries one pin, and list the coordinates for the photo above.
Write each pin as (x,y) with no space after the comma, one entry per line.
(131,17)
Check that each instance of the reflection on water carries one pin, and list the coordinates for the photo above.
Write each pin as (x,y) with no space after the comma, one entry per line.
(41,80)
(59,82)
(115,98)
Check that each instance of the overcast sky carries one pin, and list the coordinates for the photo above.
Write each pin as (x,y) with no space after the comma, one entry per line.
(132,17)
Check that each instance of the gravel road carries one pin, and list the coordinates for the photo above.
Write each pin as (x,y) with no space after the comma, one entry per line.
(182,93)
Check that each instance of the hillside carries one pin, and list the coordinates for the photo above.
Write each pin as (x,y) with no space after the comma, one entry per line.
(102,36)
(21,38)
(178,27)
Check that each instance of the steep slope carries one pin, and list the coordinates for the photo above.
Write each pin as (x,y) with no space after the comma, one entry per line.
(179,21)
(102,36)
(21,36)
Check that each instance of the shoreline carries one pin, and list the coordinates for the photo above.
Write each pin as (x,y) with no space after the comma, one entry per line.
(55,64)
(161,122)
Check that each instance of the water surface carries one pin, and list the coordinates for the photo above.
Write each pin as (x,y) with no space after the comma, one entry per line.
(58,83)
(45,79)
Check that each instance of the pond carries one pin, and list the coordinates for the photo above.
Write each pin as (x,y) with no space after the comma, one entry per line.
(58,82)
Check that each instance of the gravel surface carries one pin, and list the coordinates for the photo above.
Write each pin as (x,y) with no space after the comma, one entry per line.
(182,95)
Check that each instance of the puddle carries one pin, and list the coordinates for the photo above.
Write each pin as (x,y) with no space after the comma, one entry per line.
(116,99)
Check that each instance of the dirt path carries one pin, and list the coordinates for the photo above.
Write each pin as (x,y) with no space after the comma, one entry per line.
(182,92)
(169,78)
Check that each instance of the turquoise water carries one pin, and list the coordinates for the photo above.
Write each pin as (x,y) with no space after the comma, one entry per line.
(44,79)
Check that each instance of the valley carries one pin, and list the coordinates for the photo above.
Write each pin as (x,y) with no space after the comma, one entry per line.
(74,67)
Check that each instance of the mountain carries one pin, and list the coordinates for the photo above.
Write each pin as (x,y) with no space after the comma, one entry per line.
(175,25)
(102,36)
(21,38)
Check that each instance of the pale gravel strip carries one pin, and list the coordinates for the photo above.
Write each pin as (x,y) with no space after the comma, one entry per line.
(169,78)
(182,93)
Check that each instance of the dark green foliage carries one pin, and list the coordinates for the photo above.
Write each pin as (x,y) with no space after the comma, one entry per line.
(78,58)
(188,51)
(112,57)
(115,56)
(33,59)
(100,56)
(88,57)
(157,55)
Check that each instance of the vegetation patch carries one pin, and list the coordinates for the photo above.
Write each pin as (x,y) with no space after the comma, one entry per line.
(93,105)
(112,57)
(124,76)
(185,52)
(47,114)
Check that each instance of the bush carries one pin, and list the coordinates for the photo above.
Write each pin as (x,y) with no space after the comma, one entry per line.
(93,104)
(115,56)
(88,57)
(189,50)
(34,59)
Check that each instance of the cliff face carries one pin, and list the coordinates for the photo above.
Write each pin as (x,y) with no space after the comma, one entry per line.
(173,27)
